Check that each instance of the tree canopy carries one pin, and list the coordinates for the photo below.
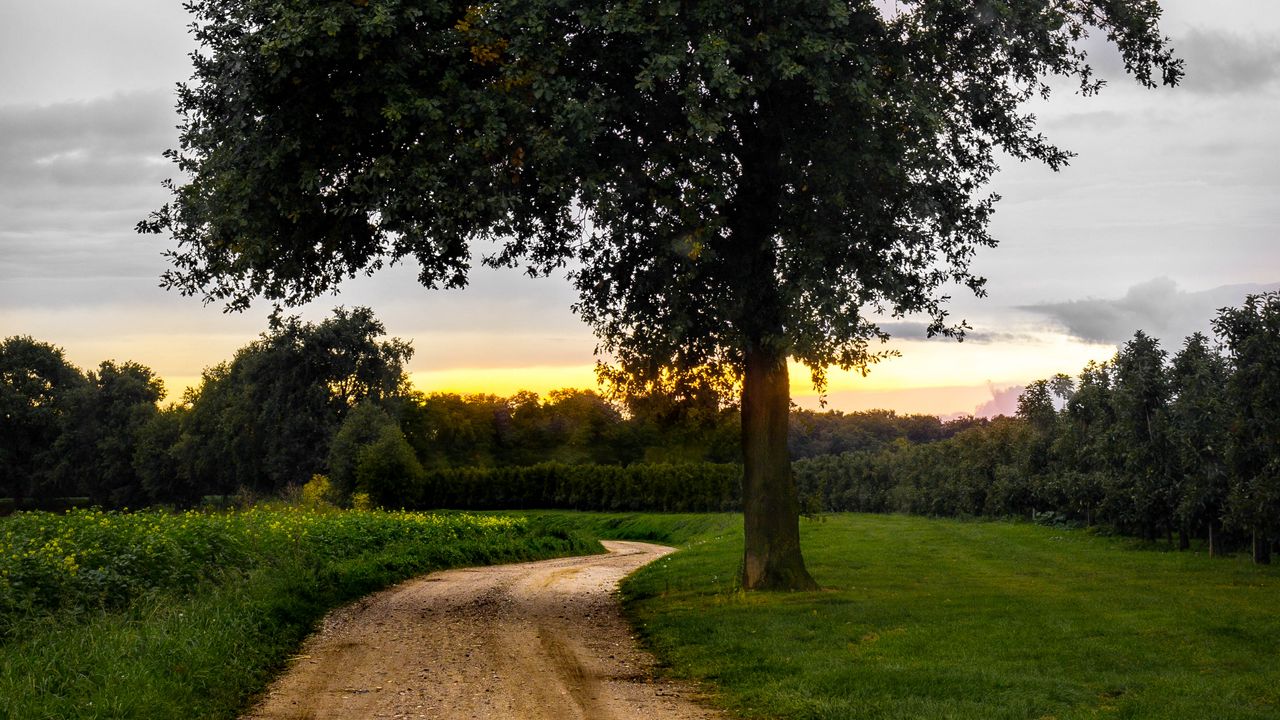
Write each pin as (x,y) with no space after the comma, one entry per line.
(264,420)
(731,184)
(649,141)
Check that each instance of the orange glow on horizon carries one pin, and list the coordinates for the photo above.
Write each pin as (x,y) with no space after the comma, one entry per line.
(505,381)
(935,377)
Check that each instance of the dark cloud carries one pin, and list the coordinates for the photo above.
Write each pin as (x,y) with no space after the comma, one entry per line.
(920,331)
(1157,307)
(1227,62)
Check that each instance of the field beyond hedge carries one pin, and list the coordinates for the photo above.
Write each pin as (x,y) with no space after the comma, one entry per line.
(162,615)
(926,618)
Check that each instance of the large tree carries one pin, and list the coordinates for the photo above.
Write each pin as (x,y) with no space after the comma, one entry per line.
(733,184)
(264,421)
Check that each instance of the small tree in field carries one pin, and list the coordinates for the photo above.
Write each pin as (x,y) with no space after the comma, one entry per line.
(736,184)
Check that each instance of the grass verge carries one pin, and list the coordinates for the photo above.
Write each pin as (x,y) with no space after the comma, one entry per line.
(929,618)
(197,641)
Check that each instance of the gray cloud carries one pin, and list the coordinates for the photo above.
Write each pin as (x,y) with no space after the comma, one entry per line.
(1158,307)
(1095,121)
(1217,61)
(1226,62)
(105,142)
(74,179)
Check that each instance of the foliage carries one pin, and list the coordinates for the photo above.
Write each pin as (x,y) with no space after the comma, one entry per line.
(232,434)
(36,384)
(747,221)
(318,493)
(1199,433)
(690,487)
(361,429)
(264,421)
(1143,495)
(1145,446)
(387,470)
(1251,334)
(102,433)
(89,560)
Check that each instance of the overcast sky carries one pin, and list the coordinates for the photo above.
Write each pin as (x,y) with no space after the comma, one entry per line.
(1171,210)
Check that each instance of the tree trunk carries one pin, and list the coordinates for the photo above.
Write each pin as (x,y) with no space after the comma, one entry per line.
(770,509)
(1261,549)
(1184,538)
(1214,550)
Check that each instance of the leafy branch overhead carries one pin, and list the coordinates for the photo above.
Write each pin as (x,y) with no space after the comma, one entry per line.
(716,173)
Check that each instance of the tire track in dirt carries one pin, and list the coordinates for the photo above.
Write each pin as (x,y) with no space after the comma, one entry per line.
(532,641)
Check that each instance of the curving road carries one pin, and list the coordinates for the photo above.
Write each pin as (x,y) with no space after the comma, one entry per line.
(533,641)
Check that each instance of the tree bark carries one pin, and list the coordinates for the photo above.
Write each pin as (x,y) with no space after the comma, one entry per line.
(1214,551)
(770,508)
(1261,549)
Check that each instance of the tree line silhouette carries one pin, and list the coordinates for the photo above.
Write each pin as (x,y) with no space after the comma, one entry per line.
(332,398)
(1148,444)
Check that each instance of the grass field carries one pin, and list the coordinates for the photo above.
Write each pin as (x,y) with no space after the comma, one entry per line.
(943,619)
(159,615)
(154,615)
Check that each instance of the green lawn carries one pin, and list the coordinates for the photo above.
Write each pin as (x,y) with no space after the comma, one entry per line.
(943,619)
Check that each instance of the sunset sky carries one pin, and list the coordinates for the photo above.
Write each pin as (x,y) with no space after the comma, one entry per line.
(1171,209)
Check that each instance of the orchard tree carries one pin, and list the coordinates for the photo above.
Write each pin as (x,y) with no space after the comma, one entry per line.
(1140,398)
(1251,334)
(1198,419)
(732,184)
(1085,443)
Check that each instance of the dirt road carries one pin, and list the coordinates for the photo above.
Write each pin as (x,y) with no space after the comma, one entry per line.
(534,641)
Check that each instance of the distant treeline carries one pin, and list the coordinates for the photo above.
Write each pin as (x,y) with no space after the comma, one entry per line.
(331,398)
(1149,445)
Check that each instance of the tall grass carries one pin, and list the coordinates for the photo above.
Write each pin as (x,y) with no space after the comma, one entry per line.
(157,615)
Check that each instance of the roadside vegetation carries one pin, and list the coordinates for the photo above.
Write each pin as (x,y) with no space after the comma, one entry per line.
(163,615)
(928,618)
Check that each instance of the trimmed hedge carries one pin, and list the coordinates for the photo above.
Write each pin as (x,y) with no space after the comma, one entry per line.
(692,487)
